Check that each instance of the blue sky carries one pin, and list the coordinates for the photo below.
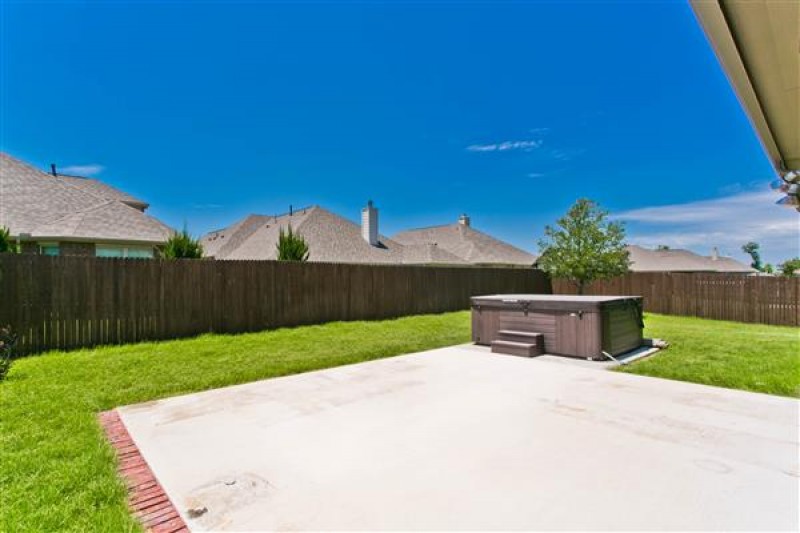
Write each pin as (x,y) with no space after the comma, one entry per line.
(505,111)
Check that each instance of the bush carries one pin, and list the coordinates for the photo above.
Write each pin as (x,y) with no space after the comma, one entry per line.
(6,244)
(7,342)
(291,246)
(183,246)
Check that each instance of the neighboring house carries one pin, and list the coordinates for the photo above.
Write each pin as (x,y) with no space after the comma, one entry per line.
(466,243)
(677,260)
(332,238)
(53,214)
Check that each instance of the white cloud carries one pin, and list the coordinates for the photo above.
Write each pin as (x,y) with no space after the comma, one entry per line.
(566,155)
(726,222)
(526,146)
(81,170)
(535,174)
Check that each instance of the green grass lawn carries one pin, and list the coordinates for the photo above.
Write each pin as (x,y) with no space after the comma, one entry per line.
(726,354)
(57,471)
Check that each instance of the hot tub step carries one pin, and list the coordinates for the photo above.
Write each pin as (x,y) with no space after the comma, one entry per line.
(525,349)
(521,336)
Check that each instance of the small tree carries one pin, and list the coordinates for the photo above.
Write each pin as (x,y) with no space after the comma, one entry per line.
(790,266)
(181,245)
(7,245)
(752,249)
(291,246)
(768,269)
(584,247)
(662,247)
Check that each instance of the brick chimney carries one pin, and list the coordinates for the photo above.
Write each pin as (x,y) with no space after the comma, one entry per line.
(369,224)
(463,220)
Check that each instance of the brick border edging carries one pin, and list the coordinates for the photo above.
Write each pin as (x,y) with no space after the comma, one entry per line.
(146,497)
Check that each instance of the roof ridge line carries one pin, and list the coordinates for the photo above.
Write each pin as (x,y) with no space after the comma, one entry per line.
(421,228)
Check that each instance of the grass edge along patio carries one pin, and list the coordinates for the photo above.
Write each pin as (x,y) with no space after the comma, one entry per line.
(59,471)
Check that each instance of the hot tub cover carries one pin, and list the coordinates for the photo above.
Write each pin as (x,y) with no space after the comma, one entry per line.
(553,302)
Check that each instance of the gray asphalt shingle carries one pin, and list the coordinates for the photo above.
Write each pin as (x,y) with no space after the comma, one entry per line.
(37,203)
(332,238)
(678,260)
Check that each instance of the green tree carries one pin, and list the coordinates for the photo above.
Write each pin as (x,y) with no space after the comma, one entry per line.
(662,247)
(291,246)
(7,245)
(790,266)
(768,269)
(181,245)
(584,246)
(752,249)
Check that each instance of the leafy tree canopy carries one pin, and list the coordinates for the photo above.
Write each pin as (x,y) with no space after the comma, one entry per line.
(584,246)
(790,266)
(752,249)
(291,246)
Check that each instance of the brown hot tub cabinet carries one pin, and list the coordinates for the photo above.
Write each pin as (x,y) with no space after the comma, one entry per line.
(576,326)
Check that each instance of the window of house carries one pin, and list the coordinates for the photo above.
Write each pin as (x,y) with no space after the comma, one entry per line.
(49,248)
(130,252)
(139,252)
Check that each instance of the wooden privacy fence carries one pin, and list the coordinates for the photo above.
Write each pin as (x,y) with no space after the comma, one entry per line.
(73,302)
(760,299)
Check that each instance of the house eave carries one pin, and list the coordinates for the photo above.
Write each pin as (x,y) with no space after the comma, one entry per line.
(90,240)
(756,43)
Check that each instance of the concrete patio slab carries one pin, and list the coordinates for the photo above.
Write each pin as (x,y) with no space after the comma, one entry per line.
(460,438)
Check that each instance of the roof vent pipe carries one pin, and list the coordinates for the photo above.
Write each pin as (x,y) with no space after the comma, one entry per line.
(53,169)
(714,253)
(463,220)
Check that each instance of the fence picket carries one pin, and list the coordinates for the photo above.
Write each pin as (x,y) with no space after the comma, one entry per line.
(73,302)
(755,299)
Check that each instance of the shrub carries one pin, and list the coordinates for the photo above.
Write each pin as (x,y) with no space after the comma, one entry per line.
(7,342)
(7,245)
(291,246)
(183,246)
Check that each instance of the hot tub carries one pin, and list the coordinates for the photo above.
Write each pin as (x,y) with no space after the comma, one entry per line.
(575,326)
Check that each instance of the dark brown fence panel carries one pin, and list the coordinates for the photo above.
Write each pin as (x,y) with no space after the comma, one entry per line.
(74,302)
(759,299)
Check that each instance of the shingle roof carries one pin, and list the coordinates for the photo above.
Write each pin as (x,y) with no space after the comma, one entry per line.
(330,238)
(429,253)
(35,202)
(109,221)
(468,244)
(678,260)
(103,190)
(221,242)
